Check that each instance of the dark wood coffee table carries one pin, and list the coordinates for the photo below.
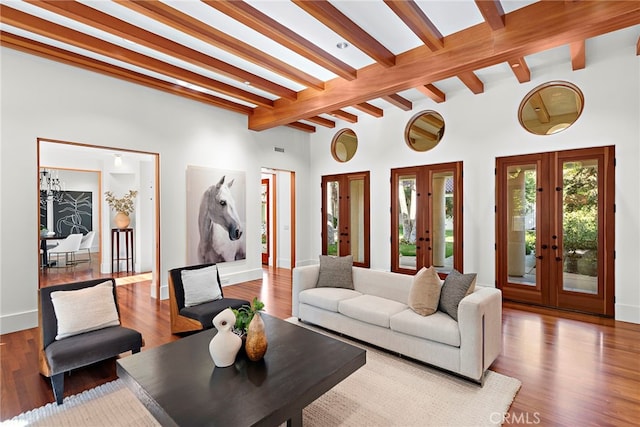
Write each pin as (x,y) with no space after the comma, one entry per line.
(180,386)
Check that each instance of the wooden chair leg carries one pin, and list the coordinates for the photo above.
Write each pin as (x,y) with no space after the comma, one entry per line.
(57,383)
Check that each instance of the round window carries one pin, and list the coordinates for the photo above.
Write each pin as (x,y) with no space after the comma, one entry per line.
(550,108)
(424,131)
(344,145)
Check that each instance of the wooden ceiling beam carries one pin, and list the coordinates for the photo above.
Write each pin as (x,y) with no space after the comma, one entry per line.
(520,69)
(531,29)
(541,110)
(578,57)
(492,13)
(63,34)
(322,121)
(70,58)
(302,126)
(472,82)
(398,101)
(344,115)
(330,16)
(112,25)
(171,17)
(365,107)
(414,18)
(432,92)
(265,25)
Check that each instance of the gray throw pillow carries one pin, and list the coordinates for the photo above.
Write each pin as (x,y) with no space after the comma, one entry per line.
(335,272)
(454,288)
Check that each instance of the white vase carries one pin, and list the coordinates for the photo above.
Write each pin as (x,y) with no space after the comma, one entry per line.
(225,344)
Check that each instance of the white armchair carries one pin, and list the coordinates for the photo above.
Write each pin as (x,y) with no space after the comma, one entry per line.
(85,245)
(67,247)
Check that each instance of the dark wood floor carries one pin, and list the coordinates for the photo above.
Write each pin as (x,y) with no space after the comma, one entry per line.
(575,369)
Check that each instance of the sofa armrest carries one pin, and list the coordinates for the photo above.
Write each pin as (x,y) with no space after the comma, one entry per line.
(304,277)
(480,323)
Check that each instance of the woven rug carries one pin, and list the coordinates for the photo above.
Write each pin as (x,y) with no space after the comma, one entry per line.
(386,391)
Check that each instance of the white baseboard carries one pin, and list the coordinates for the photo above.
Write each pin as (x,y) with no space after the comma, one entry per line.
(18,321)
(306,262)
(628,313)
(241,276)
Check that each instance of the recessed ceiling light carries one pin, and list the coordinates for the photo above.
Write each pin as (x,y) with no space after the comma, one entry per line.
(516,65)
(342,45)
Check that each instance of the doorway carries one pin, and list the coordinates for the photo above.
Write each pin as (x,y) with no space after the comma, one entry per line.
(278,218)
(555,229)
(345,216)
(116,168)
(426,218)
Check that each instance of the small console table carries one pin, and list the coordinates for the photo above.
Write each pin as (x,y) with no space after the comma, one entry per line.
(116,235)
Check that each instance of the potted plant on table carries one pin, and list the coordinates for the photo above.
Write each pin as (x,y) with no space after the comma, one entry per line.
(122,206)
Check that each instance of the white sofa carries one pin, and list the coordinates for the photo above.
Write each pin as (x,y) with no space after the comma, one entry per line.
(376,312)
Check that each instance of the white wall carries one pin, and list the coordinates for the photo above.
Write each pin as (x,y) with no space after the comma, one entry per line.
(480,128)
(45,99)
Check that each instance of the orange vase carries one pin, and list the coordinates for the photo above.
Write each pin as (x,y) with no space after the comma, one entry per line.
(122,220)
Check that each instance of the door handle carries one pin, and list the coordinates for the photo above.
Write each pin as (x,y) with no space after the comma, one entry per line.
(539,257)
(421,239)
(544,246)
(558,258)
(554,247)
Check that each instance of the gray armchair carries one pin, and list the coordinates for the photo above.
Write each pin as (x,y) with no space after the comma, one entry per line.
(57,356)
(199,317)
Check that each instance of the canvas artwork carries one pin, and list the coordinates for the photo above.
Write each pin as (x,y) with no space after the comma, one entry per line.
(72,214)
(216,215)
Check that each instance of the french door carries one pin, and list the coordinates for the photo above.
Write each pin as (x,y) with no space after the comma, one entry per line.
(555,229)
(265,221)
(345,216)
(426,218)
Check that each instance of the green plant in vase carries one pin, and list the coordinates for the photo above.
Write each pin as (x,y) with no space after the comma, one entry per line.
(245,314)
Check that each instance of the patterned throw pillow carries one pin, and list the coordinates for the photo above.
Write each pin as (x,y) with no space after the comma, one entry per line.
(424,295)
(455,287)
(335,272)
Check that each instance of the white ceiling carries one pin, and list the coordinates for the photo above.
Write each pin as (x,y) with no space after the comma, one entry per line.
(373,16)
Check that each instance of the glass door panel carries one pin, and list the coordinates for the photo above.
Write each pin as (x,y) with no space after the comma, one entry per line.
(580,226)
(407,204)
(521,223)
(333,217)
(356,227)
(442,220)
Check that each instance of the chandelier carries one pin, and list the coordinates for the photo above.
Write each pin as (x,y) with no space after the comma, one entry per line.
(51,186)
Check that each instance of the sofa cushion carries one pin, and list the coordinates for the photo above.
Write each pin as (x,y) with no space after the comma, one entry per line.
(424,296)
(438,327)
(84,349)
(371,309)
(326,298)
(200,285)
(84,310)
(454,288)
(335,272)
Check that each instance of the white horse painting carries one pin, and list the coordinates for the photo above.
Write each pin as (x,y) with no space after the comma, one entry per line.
(221,230)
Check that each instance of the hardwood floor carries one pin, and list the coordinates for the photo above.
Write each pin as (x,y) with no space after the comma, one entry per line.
(575,369)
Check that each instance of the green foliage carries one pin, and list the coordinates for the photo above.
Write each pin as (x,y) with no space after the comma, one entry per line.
(530,242)
(245,313)
(580,229)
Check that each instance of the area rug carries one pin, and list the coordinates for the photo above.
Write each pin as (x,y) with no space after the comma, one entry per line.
(386,391)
